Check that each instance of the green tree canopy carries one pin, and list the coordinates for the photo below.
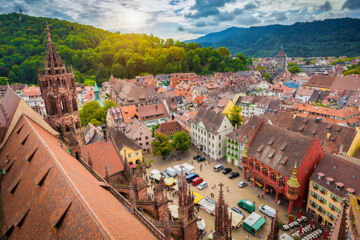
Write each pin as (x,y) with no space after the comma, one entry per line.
(294,69)
(235,116)
(181,141)
(161,145)
(94,113)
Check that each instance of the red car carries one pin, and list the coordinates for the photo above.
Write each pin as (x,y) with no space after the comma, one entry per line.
(196,181)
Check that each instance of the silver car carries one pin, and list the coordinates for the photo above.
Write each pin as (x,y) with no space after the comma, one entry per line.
(202,185)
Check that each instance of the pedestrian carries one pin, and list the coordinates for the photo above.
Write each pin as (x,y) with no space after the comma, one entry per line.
(227,189)
(262,196)
(259,196)
(247,237)
(260,236)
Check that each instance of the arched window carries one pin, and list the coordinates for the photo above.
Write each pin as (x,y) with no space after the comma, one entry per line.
(75,107)
(257,166)
(67,128)
(52,106)
(265,171)
(64,107)
(58,82)
(282,182)
(273,176)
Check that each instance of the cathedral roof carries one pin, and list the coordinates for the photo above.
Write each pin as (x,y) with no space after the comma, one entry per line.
(49,194)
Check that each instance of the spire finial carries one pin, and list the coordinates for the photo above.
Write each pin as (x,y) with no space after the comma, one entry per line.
(48,32)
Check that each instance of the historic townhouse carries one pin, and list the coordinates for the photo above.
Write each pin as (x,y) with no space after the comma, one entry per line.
(331,182)
(282,161)
(209,129)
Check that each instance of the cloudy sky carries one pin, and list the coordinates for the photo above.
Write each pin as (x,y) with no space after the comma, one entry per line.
(183,19)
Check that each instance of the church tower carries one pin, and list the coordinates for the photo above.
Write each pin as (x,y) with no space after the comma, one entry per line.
(57,87)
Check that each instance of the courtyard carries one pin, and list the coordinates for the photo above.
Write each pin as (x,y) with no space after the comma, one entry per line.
(232,196)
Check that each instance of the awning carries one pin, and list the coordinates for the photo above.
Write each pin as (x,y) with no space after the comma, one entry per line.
(258,224)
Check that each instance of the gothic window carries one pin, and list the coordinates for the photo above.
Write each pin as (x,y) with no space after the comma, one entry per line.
(52,106)
(77,125)
(58,82)
(265,171)
(282,182)
(273,176)
(75,107)
(64,106)
(67,128)
(257,166)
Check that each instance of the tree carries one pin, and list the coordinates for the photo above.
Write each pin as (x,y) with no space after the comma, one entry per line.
(108,104)
(266,76)
(91,110)
(196,64)
(89,82)
(161,145)
(118,70)
(213,63)
(181,141)
(294,69)
(235,116)
(223,51)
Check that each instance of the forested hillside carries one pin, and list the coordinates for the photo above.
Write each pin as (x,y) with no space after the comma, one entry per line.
(331,37)
(96,53)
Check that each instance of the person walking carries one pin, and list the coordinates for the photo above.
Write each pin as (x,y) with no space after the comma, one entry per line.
(247,237)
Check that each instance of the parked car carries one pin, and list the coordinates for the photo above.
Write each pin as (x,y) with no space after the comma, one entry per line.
(233,175)
(196,157)
(247,205)
(171,172)
(235,209)
(242,184)
(165,175)
(268,211)
(226,170)
(196,181)
(190,177)
(202,185)
(201,159)
(218,167)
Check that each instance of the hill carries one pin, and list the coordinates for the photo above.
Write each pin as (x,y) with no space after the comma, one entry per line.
(330,37)
(95,53)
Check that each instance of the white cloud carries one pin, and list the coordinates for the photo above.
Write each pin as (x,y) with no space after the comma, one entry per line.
(164,17)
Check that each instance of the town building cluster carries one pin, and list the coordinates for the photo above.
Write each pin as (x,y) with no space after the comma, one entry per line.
(299,139)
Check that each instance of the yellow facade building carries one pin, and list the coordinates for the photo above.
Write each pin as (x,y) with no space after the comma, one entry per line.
(126,147)
(330,183)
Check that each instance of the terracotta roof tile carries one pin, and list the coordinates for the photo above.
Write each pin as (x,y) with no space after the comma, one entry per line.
(69,203)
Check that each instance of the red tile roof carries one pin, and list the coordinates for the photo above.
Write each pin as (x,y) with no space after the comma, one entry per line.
(54,196)
(103,154)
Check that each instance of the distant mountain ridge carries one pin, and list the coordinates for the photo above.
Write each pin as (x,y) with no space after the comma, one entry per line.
(330,37)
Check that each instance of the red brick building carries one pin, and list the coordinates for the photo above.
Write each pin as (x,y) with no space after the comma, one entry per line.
(281,160)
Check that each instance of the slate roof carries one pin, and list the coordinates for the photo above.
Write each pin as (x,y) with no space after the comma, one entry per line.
(48,194)
(212,120)
(247,130)
(279,148)
(94,133)
(120,140)
(341,171)
(331,136)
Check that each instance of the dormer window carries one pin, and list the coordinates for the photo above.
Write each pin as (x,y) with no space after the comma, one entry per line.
(329,180)
(320,175)
(339,185)
(350,191)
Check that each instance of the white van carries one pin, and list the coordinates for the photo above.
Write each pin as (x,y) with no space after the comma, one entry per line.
(171,172)
(218,167)
(268,211)
(188,169)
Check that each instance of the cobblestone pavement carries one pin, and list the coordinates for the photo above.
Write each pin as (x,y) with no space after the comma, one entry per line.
(232,197)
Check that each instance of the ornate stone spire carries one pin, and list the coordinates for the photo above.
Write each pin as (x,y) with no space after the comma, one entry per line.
(274,232)
(53,63)
(222,219)
(293,180)
(132,197)
(340,229)
(167,230)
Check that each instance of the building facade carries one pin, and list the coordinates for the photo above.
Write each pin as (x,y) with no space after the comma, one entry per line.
(331,182)
(209,129)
